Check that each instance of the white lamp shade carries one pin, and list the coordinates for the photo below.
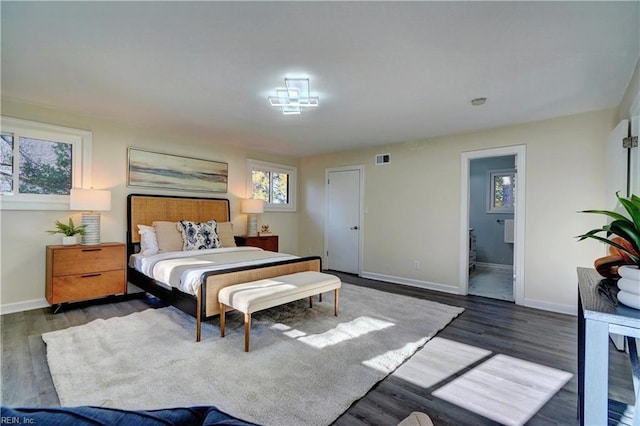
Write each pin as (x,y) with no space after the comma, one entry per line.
(252,206)
(89,199)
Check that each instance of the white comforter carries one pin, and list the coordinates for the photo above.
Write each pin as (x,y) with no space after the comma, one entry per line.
(184,269)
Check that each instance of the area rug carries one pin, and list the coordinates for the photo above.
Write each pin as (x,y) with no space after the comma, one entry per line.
(305,365)
(505,389)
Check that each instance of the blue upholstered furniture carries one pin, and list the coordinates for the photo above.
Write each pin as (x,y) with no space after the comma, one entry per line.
(97,416)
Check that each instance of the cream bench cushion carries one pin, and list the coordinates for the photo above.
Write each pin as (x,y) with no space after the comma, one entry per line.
(266,293)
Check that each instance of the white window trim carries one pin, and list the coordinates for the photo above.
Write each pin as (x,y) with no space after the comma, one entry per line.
(490,195)
(292,171)
(81,141)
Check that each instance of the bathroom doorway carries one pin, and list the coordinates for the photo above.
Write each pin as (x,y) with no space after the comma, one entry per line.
(492,189)
(492,223)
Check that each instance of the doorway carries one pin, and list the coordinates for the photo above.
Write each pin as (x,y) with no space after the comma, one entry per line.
(343,219)
(515,277)
(492,185)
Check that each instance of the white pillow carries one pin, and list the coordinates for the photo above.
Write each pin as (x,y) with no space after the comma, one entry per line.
(148,240)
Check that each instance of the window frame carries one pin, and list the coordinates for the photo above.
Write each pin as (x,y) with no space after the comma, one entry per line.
(80,140)
(491,196)
(266,166)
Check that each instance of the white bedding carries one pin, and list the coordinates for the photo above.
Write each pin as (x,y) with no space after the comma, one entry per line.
(184,269)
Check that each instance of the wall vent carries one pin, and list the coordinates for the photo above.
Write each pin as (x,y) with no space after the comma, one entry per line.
(383,159)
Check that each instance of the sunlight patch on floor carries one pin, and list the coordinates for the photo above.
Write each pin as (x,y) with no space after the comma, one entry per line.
(341,333)
(505,389)
(383,362)
(437,360)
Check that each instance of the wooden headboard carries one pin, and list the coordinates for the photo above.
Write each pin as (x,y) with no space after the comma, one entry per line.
(143,209)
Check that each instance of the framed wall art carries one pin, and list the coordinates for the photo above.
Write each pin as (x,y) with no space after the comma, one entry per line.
(167,171)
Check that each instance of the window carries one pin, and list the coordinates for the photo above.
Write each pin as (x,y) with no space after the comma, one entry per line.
(273,183)
(502,191)
(40,163)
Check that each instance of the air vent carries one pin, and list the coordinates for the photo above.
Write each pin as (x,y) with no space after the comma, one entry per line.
(383,159)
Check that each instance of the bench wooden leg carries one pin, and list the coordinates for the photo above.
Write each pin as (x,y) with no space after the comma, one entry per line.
(320,297)
(310,301)
(198,316)
(223,318)
(336,293)
(247,331)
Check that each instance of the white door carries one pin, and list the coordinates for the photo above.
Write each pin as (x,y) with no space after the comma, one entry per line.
(343,221)
(635,152)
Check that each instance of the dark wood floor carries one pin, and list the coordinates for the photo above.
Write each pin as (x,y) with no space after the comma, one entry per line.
(501,327)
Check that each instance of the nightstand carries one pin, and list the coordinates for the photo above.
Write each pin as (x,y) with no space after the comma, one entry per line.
(81,272)
(269,243)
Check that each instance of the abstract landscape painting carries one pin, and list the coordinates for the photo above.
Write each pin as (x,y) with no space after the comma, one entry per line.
(156,170)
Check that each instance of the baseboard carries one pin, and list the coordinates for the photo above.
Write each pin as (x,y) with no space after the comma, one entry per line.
(530,303)
(27,305)
(553,307)
(495,266)
(410,282)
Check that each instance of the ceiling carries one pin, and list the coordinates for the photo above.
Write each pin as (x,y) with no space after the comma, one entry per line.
(385,72)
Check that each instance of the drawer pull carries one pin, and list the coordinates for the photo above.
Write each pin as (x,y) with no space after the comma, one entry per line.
(90,275)
(93,249)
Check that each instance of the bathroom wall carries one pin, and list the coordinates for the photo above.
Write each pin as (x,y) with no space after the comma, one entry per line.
(490,245)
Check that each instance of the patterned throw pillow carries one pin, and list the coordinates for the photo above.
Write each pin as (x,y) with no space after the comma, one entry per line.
(199,236)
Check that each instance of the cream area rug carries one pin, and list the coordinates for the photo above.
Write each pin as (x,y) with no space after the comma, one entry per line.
(305,365)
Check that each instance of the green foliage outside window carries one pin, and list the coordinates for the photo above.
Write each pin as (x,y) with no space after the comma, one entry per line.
(272,187)
(44,167)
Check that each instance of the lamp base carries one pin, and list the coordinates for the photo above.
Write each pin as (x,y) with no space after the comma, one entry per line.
(252,225)
(92,229)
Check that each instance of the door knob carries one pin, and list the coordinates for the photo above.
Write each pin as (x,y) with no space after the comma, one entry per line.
(354,227)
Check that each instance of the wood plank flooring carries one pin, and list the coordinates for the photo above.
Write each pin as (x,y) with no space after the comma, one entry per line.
(501,327)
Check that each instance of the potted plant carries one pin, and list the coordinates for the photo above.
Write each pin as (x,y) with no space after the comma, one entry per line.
(69,230)
(623,237)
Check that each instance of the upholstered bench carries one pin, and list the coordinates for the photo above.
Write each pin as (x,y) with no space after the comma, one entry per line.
(263,294)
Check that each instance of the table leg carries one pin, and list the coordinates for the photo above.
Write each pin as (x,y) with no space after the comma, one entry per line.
(635,369)
(596,373)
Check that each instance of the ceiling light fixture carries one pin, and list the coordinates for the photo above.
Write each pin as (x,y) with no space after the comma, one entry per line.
(478,101)
(294,97)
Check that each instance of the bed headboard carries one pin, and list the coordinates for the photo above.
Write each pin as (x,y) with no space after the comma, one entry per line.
(143,209)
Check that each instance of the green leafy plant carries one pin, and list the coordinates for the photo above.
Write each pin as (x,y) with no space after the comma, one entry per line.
(68,229)
(626,228)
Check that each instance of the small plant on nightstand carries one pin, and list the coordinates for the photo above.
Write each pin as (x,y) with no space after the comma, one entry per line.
(69,230)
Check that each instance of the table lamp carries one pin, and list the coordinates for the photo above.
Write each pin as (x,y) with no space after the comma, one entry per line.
(91,201)
(252,207)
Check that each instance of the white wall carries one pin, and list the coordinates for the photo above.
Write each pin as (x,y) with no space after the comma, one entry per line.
(22,233)
(565,174)
(413,204)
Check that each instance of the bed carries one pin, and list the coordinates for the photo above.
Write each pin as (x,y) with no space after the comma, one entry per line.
(144,209)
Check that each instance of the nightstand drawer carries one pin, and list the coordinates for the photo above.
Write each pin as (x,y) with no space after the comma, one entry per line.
(72,288)
(87,259)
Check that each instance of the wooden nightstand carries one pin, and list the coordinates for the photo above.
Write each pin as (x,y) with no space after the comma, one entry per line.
(269,243)
(80,272)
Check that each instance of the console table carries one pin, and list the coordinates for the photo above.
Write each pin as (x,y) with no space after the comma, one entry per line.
(598,315)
